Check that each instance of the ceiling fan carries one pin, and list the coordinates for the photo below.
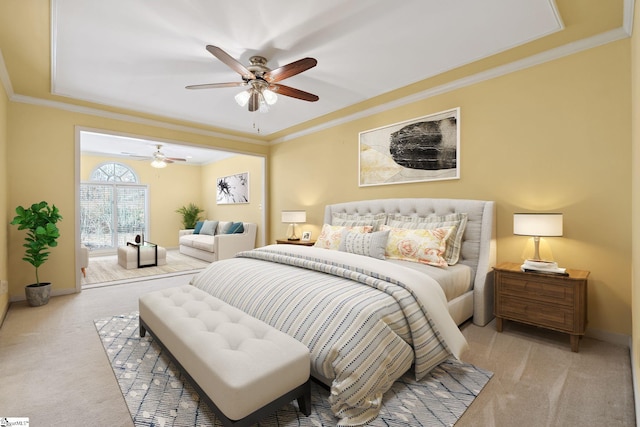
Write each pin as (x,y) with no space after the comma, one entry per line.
(262,81)
(158,159)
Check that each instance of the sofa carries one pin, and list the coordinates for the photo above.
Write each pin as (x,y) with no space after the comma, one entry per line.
(215,240)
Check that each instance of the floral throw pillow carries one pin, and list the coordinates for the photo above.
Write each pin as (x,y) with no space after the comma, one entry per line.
(331,235)
(419,245)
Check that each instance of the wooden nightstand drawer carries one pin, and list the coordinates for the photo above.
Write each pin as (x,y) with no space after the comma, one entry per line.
(548,290)
(540,314)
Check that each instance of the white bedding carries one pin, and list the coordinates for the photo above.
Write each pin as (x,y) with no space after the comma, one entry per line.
(455,280)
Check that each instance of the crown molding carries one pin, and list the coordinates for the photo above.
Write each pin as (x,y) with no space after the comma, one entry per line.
(128,118)
(541,58)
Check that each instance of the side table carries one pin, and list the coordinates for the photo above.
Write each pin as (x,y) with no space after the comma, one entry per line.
(541,299)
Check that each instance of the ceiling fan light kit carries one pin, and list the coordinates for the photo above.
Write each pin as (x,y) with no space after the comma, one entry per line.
(262,82)
(158,164)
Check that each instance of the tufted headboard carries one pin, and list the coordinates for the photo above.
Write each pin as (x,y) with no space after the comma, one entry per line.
(478,243)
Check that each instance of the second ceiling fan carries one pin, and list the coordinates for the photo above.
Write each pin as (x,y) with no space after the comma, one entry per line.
(263,82)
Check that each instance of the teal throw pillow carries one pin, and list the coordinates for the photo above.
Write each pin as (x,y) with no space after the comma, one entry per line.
(236,228)
(198,227)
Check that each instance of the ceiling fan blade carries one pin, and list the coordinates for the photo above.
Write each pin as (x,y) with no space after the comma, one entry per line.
(290,70)
(216,85)
(231,62)
(293,93)
(175,159)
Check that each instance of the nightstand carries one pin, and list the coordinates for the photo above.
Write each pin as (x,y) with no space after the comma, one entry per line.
(541,299)
(295,242)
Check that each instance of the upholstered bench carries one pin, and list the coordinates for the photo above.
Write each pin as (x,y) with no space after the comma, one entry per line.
(128,256)
(244,368)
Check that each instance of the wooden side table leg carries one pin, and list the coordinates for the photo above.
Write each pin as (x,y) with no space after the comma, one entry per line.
(499,324)
(575,343)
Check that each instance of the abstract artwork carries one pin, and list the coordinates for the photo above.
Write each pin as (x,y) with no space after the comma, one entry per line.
(233,189)
(422,149)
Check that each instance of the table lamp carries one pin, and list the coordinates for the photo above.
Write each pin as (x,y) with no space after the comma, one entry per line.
(537,225)
(293,218)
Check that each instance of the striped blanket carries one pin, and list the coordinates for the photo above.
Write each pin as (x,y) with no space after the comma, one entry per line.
(365,321)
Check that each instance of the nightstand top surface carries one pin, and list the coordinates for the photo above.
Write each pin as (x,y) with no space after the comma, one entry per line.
(515,267)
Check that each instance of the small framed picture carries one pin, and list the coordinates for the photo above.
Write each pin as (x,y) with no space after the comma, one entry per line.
(306,236)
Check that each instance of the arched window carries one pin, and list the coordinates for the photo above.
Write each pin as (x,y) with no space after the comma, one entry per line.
(112,171)
(113,207)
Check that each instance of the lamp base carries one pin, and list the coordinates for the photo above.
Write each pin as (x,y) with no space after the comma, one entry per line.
(293,239)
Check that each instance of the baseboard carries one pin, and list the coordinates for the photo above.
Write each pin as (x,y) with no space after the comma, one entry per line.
(610,337)
(634,381)
(54,293)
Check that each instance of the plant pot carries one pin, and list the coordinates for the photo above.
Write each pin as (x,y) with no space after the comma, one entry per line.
(38,294)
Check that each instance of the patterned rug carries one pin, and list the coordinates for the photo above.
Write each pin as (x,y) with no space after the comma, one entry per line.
(157,395)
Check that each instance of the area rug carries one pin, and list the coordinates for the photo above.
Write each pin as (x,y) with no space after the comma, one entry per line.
(105,269)
(158,396)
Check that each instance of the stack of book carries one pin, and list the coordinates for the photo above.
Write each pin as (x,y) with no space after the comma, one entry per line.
(539,266)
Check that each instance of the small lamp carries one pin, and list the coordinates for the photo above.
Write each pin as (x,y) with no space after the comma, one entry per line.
(537,225)
(293,218)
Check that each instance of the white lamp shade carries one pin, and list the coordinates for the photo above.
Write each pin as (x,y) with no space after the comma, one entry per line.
(537,224)
(294,217)
(159,164)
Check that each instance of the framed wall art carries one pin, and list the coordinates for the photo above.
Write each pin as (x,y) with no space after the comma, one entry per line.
(233,189)
(422,149)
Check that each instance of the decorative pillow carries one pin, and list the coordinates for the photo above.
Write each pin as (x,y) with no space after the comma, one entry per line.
(420,245)
(198,227)
(223,226)
(354,220)
(331,235)
(368,244)
(454,242)
(209,227)
(236,228)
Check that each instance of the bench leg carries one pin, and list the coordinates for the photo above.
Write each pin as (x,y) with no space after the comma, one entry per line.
(143,331)
(304,401)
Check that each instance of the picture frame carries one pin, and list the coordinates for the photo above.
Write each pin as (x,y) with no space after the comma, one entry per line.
(423,149)
(306,236)
(232,189)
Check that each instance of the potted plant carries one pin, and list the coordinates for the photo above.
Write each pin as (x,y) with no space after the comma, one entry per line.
(190,215)
(42,233)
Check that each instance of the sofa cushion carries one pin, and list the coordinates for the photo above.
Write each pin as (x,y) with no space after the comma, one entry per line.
(198,241)
(198,227)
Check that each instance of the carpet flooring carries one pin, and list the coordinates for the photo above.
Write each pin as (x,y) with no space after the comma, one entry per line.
(105,269)
(157,395)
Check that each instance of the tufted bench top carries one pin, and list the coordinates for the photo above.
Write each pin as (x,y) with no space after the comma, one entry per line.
(241,363)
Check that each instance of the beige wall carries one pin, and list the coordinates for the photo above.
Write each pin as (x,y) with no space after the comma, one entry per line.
(247,212)
(42,148)
(4,210)
(554,137)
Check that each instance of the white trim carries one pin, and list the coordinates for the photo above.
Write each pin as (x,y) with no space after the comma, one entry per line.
(634,382)
(4,77)
(128,118)
(550,55)
(541,58)
(610,337)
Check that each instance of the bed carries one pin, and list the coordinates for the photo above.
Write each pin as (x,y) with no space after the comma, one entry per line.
(366,320)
